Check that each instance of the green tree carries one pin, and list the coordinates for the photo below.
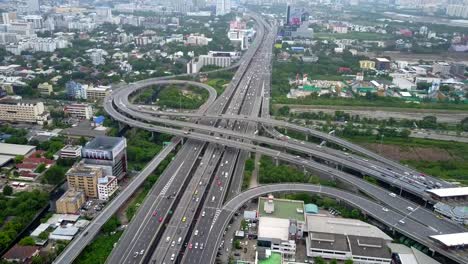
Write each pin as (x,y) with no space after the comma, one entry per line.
(319,260)
(44,235)
(41,168)
(18,159)
(27,241)
(333,261)
(7,190)
(111,225)
(348,261)
(54,175)
(464,124)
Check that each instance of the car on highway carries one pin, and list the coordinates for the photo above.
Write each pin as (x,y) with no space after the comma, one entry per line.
(196,232)
(401,222)
(384,209)
(203,213)
(160,219)
(409,208)
(196,245)
(155,213)
(184,219)
(172,257)
(190,245)
(392,195)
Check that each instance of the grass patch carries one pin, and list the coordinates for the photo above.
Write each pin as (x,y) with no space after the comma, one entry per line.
(98,251)
(376,102)
(455,169)
(353,35)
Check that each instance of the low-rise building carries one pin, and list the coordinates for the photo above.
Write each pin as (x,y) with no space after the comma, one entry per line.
(275,234)
(285,209)
(70,152)
(70,202)
(45,89)
(367,64)
(442,68)
(83,111)
(21,254)
(98,93)
(19,111)
(341,239)
(107,186)
(198,40)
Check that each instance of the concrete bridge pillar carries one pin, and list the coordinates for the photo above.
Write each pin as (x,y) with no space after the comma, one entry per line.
(307,137)
(304,169)
(276,161)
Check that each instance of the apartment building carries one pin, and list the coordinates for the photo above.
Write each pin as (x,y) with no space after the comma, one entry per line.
(107,186)
(83,111)
(85,178)
(45,89)
(70,202)
(98,93)
(16,111)
(107,152)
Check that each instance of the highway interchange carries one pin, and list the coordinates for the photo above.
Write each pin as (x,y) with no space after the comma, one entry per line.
(184,211)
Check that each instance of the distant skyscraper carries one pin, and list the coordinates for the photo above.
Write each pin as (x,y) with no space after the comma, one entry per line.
(33,6)
(223,7)
(288,13)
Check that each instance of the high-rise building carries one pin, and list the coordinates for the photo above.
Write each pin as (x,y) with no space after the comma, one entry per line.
(76,90)
(84,178)
(33,6)
(223,7)
(108,152)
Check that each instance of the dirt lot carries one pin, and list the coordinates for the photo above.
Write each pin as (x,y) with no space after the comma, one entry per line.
(411,153)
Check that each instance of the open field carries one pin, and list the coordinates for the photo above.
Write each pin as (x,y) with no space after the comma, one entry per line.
(444,159)
(443,116)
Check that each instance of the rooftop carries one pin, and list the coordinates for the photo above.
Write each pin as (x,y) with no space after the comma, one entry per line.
(275,258)
(328,241)
(449,192)
(21,252)
(269,227)
(15,149)
(369,246)
(350,227)
(451,240)
(286,209)
(104,143)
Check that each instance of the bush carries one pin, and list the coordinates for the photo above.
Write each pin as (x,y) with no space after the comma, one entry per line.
(27,241)
(7,190)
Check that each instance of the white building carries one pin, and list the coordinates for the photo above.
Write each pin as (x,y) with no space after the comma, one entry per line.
(107,186)
(84,111)
(103,14)
(223,7)
(36,21)
(274,233)
(15,111)
(194,65)
(198,40)
(98,93)
(457,10)
(341,239)
(441,68)
(70,152)
(97,56)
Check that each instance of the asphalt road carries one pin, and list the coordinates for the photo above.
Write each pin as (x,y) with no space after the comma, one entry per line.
(390,218)
(84,238)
